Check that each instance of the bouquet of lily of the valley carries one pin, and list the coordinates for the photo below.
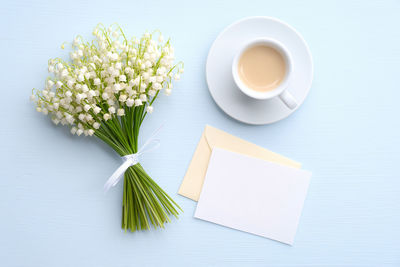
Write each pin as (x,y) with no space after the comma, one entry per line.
(106,90)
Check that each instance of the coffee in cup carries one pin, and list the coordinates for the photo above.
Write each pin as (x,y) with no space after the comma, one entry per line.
(261,68)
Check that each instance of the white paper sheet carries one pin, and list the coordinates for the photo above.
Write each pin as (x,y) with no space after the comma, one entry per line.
(253,195)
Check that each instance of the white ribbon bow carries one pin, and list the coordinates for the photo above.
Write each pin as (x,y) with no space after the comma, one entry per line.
(132,159)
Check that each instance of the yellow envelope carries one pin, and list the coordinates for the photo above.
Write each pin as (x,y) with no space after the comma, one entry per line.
(212,137)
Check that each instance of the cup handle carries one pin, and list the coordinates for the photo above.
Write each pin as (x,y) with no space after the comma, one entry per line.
(288,99)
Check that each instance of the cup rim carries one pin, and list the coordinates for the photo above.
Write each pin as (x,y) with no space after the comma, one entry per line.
(288,61)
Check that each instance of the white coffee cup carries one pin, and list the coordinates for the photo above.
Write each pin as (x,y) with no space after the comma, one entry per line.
(281,89)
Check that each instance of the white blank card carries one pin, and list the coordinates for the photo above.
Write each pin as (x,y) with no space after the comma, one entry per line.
(253,195)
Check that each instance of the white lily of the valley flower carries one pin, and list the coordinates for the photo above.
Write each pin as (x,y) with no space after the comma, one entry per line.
(143,97)
(105,96)
(103,80)
(130,102)
(149,109)
(122,98)
(138,102)
(73,130)
(50,84)
(59,84)
(96,125)
(106,117)
(96,110)
(96,81)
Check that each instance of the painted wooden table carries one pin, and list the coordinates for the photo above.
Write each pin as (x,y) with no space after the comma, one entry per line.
(54,213)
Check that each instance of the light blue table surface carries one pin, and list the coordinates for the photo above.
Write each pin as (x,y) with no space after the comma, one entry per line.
(52,207)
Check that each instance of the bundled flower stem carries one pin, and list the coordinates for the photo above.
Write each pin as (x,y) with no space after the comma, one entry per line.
(106,90)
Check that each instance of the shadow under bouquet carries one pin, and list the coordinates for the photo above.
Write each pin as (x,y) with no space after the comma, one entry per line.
(106,90)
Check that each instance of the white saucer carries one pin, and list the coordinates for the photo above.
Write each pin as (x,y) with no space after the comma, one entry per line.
(219,70)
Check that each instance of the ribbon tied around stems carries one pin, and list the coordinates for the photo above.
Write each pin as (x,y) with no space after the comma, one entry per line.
(130,160)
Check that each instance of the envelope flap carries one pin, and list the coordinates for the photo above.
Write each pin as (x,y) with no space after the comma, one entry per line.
(221,139)
(213,135)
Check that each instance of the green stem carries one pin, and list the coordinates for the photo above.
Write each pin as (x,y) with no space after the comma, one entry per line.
(144,203)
